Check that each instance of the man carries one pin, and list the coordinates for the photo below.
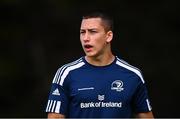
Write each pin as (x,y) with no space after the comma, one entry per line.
(98,85)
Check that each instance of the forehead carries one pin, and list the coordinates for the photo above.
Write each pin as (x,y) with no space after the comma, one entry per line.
(91,23)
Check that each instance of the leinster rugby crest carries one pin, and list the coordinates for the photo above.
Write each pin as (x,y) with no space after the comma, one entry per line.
(117,85)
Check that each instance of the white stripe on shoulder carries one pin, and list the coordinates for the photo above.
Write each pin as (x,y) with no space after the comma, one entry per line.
(70,68)
(60,70)
(127,63)
(131,68)
(65,67)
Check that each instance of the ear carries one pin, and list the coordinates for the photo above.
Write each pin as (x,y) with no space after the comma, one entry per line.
(109,36)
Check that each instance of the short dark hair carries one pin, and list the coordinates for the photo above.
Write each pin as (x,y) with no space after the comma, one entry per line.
(107,19)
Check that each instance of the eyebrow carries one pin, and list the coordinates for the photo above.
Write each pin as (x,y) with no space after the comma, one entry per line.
(89,29)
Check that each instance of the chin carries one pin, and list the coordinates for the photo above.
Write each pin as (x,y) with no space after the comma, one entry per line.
(90,54)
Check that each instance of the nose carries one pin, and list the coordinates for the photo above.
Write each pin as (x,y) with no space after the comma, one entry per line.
(86,37)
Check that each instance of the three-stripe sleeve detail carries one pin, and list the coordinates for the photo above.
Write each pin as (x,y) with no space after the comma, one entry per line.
(53,106)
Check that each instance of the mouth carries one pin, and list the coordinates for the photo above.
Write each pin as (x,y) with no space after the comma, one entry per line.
(88,47)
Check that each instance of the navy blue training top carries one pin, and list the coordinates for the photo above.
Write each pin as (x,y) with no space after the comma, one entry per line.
(82,90)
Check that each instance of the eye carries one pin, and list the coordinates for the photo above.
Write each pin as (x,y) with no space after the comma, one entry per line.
(82,31)
(93,31)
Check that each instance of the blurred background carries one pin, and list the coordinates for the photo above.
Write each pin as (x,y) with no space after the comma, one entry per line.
(39,36)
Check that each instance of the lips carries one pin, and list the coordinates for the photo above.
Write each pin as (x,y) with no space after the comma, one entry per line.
(88,47)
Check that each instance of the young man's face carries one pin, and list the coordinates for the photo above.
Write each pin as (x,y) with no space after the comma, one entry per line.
(94,38)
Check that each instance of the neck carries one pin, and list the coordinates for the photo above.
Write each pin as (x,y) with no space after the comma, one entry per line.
(102,60)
